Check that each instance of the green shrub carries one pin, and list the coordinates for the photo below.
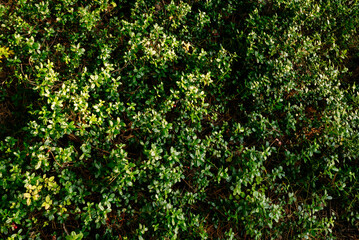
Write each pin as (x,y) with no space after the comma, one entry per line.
(179,120)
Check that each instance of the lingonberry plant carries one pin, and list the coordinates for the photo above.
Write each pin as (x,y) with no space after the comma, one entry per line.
(179,119)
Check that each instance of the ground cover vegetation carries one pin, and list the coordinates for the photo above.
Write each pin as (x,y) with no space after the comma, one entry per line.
(179,119)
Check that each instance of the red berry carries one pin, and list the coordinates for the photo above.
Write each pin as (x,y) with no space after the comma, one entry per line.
(14,226)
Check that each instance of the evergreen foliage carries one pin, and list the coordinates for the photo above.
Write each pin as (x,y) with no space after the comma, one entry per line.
(179,119)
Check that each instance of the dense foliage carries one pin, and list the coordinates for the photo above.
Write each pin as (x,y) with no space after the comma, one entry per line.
(179,119)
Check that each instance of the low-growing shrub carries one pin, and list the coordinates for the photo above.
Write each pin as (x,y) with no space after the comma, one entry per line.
(179,119)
